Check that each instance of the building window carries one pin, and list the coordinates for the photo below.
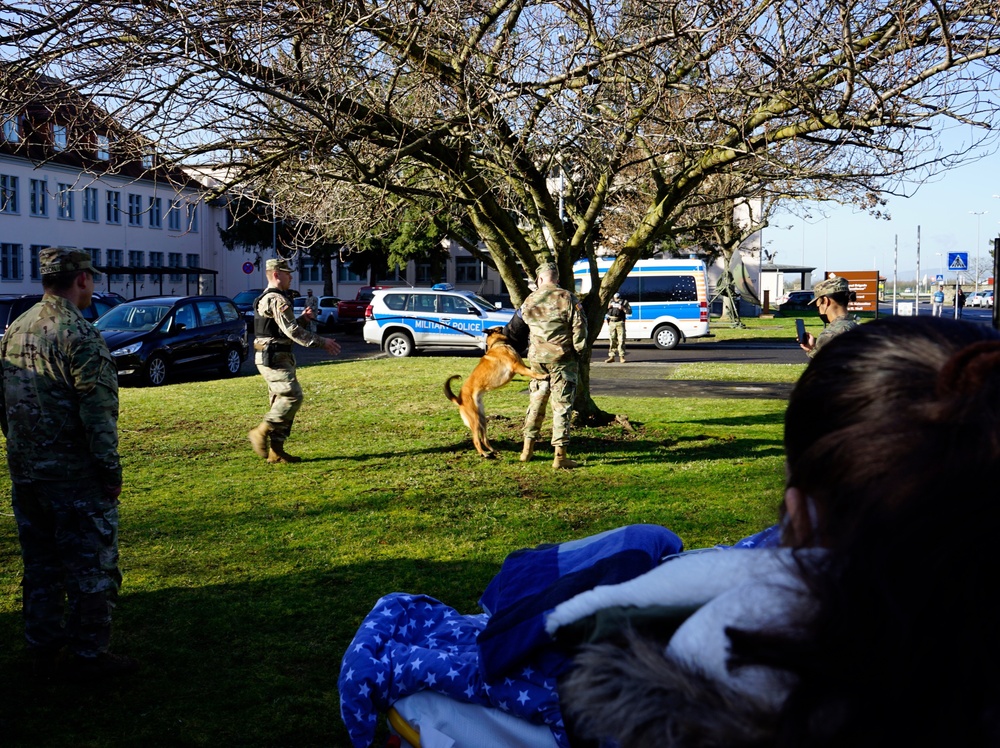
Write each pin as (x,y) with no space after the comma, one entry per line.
(174,217)
(90,204)
(174,261)
(39,198)
(59,137)
(192,260)
(114,208)
(33,271)
(156,214)
(64,201)
(8,193)
(310,271)
(103,147)
(427,275)
(136,260)
(467,270)
(344,274)
(116,259)
(134,210)
(155,261)
(192,217)
(147,159)
(11,128)
(95,258)
(10,262)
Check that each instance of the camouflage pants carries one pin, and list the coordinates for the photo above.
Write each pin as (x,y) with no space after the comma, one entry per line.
(561,388)
(616,332)
(69,543)
(285,392)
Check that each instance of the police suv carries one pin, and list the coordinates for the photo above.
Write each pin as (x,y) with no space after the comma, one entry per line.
(404,320)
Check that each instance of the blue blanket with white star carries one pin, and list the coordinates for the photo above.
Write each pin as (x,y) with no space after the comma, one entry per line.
(503,659)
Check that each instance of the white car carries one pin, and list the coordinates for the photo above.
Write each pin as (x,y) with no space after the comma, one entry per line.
(404,320)
(326,319)
(980,299)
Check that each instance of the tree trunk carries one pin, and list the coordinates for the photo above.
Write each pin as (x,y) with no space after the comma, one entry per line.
(586,411)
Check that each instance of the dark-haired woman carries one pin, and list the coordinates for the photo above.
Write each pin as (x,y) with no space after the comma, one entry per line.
(880,629)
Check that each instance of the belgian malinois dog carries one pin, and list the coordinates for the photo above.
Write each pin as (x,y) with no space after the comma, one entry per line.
(494,370)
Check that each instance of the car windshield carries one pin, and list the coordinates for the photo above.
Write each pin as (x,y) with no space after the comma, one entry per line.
(481,302)
(133,317)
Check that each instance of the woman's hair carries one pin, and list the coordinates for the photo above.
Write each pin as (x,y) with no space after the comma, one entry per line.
(893,432)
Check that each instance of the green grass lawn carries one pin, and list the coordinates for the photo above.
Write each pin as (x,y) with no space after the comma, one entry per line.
(244,582)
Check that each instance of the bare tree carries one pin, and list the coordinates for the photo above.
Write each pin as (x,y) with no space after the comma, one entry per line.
(552,123)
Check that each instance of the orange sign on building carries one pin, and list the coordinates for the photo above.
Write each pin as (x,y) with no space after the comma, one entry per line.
(864,283)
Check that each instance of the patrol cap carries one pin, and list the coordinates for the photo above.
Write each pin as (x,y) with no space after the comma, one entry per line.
(547,266)
(617,295)
(829,287)
(278,264)
(52,260)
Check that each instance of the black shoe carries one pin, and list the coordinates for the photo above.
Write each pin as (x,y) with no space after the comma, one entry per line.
(43,663)
(105,665)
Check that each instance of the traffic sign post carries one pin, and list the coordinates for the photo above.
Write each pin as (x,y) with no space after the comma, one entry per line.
(958,262)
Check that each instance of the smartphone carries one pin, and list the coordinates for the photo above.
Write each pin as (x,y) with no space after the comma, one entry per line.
(800,329)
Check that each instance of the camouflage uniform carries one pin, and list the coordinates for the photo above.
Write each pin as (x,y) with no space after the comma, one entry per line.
(59,412)
(618,310)
(835,328)
(276,327)
(558,333)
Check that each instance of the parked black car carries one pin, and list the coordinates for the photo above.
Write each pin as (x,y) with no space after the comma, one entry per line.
(13,306)
(150,338)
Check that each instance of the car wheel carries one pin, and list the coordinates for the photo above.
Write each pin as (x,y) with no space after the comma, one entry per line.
(666,337)
(399,344)
(156,371)
(233,363)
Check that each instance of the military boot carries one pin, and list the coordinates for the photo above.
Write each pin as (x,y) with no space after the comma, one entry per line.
(277,452)
(622,360)
(528,451)
(562,461)
(609,360)
(258,438)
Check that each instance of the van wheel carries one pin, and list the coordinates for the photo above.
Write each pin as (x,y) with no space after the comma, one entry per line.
(399,344)
(666,337)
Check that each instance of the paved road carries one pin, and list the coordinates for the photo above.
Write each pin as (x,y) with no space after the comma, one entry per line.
(644,374)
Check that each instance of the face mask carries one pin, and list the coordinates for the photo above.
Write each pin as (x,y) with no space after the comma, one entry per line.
(826,320)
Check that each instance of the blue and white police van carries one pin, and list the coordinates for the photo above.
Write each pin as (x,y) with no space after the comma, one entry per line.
(404,320)
(669,299)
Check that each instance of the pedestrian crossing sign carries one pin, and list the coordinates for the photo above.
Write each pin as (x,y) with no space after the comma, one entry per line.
(958,260)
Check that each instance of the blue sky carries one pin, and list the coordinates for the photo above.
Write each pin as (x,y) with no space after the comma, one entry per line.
(942,207)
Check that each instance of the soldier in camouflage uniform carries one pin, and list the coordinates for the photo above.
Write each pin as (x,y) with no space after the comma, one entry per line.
(831,297)
(59,412)
(275,329)
(558,333)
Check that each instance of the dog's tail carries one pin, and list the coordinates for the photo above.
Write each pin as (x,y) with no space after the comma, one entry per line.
(447,390)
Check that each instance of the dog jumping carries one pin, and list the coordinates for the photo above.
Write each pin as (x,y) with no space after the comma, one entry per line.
(495,369)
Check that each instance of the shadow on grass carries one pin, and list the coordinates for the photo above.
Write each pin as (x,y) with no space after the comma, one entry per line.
(243,664)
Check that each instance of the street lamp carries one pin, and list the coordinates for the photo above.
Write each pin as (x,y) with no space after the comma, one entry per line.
(979,215)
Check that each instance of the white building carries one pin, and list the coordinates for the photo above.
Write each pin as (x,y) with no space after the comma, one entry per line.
(68,180)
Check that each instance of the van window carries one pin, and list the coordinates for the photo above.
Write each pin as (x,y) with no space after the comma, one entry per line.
(667,288)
